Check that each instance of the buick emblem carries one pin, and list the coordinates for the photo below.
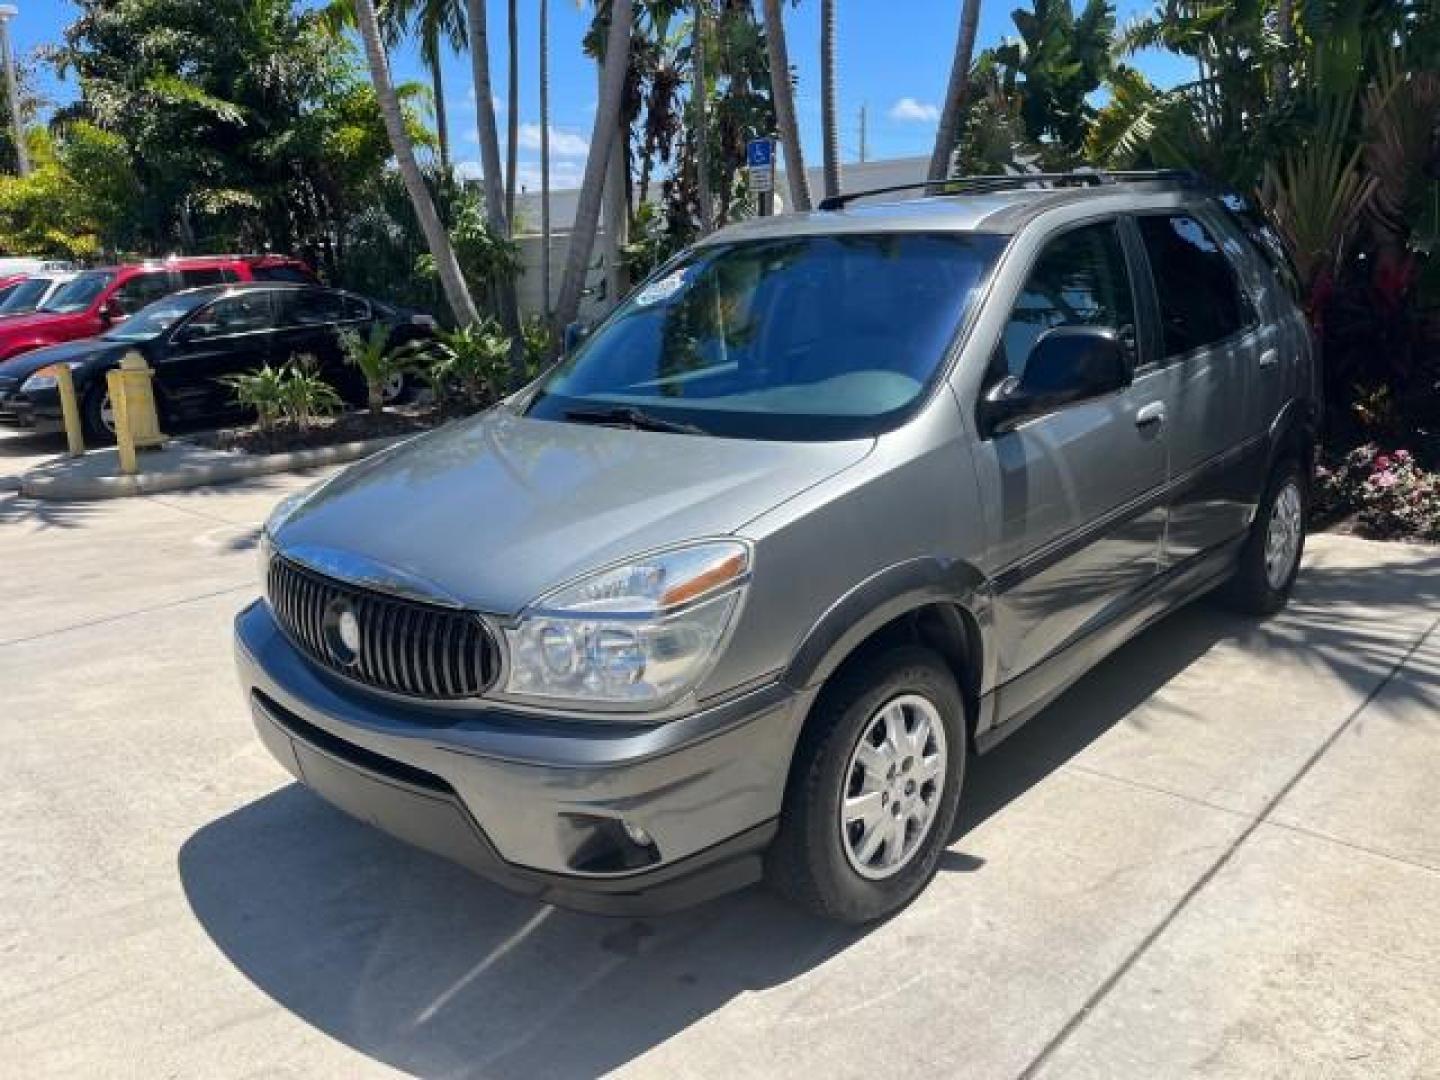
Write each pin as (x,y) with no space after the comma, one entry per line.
(342,633)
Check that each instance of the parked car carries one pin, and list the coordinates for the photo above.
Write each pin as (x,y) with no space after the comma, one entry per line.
(831,503)
(99,299)
(32,291)
(19,265)
(193,341)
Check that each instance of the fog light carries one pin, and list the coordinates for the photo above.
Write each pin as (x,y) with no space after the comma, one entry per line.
(638,836)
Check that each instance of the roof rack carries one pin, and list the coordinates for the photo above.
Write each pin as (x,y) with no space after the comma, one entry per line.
(978,185)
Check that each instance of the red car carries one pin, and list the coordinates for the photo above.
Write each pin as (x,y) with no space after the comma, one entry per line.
(98,299)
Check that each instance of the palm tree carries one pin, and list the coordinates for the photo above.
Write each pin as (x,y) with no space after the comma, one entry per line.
(829,121)
(545,157)
(603,136)
(446,265)
(437,23)
(512,119)
(956,94)
(783,95)
(490,159)
(701,99)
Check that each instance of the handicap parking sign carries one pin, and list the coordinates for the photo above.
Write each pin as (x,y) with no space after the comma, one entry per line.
(760,157)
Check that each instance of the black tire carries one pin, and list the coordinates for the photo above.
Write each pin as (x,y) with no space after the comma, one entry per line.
(1250,589)
(807,862)
(406,392)
(91,421)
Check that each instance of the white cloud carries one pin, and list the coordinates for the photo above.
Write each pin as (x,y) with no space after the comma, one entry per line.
(564,175)
(562,143)
(911,111)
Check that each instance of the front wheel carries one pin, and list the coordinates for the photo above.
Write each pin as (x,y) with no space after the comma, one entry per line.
(874,789)
(1270,559)
(97,414)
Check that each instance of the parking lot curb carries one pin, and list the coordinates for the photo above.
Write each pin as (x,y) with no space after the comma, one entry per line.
(55,484)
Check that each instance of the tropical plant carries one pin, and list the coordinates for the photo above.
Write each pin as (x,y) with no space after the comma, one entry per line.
(263,391)
(377,361)
(957,94)
(782,94)
(829,103)
(469,367)
(304,395)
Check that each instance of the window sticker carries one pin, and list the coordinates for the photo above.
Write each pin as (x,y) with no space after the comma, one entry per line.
(660,290)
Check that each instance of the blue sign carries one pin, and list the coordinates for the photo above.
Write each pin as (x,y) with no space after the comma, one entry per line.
(759,153)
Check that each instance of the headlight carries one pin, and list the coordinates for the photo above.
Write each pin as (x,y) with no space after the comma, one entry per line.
(45,378)
(265,551)
(637,635)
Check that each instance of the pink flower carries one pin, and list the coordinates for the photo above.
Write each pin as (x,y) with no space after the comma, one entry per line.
(1386,479)
(1382,462)
(1402,456)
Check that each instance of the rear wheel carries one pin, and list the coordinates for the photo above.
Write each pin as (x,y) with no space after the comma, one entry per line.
(395,389)
(874,789)
(1270,559)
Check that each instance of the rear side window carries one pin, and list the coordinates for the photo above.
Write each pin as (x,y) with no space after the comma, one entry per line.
(292,274)
(1199,296)
(1080,280)
(134,293)
(311,307)
(210,275)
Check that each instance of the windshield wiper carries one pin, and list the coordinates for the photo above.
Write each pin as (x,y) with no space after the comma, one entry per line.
(631,417)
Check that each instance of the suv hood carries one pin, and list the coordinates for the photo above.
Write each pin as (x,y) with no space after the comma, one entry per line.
(495,511)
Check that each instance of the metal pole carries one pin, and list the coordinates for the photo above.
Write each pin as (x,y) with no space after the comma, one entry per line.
(22,158)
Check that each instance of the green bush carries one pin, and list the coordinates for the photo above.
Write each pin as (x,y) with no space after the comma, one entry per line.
(1390,495)
(469,367)
(377,362)
(263,391)
(293,393)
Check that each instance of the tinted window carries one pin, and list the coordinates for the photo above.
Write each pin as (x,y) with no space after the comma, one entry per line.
(311,307)
(134,293)
(242,314)
(25,295)
(1080,280)
(210,275)
(1200,300)
(281,273)
(156,318)
(815,337)
(80,293)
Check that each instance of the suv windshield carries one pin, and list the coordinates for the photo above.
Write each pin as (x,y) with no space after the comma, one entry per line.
(804,338)
(154,319)
(79,294)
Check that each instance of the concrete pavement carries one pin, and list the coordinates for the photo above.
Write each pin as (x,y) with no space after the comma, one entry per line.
(1216,856)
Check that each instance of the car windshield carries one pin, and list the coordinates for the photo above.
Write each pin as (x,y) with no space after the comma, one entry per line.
(802,338)
(154,319)
(79,294)
(25,295)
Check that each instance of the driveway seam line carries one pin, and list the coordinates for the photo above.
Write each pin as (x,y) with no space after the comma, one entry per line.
(126,615)
(1101,992)
(1155,789)
(1314,834)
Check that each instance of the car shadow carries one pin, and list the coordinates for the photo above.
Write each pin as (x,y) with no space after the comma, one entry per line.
(419,965)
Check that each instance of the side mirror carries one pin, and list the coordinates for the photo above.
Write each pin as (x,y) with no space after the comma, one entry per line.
(575,333)
(1066,365)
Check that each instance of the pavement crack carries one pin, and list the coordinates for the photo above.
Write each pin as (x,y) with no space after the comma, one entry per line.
(1101,992)
(118,617)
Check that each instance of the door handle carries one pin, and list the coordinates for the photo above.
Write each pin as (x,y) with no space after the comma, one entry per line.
(1269,358)
(1153,413)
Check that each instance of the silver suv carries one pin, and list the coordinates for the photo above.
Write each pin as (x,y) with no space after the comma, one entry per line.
(830,504)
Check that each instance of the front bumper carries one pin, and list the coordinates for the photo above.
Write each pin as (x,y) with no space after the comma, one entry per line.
(535,804)
(31,412)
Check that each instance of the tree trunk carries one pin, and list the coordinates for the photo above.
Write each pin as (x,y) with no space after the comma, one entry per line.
(957,94)
(442,126)
(615,210)
(545,157)
(446,265)
(512,121)
(829,106)
(603,136)
(701,94)
(784,98)
(1285,23)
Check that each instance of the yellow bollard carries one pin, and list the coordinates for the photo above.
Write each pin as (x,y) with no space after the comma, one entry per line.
(69,408)
(140,402)
(124,437)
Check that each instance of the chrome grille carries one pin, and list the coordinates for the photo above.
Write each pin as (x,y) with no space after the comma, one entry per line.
(405,647)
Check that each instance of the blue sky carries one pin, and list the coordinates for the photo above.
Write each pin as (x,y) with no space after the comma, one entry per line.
(894,59)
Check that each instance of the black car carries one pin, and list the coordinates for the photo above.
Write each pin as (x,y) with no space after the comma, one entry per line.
(194,340)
